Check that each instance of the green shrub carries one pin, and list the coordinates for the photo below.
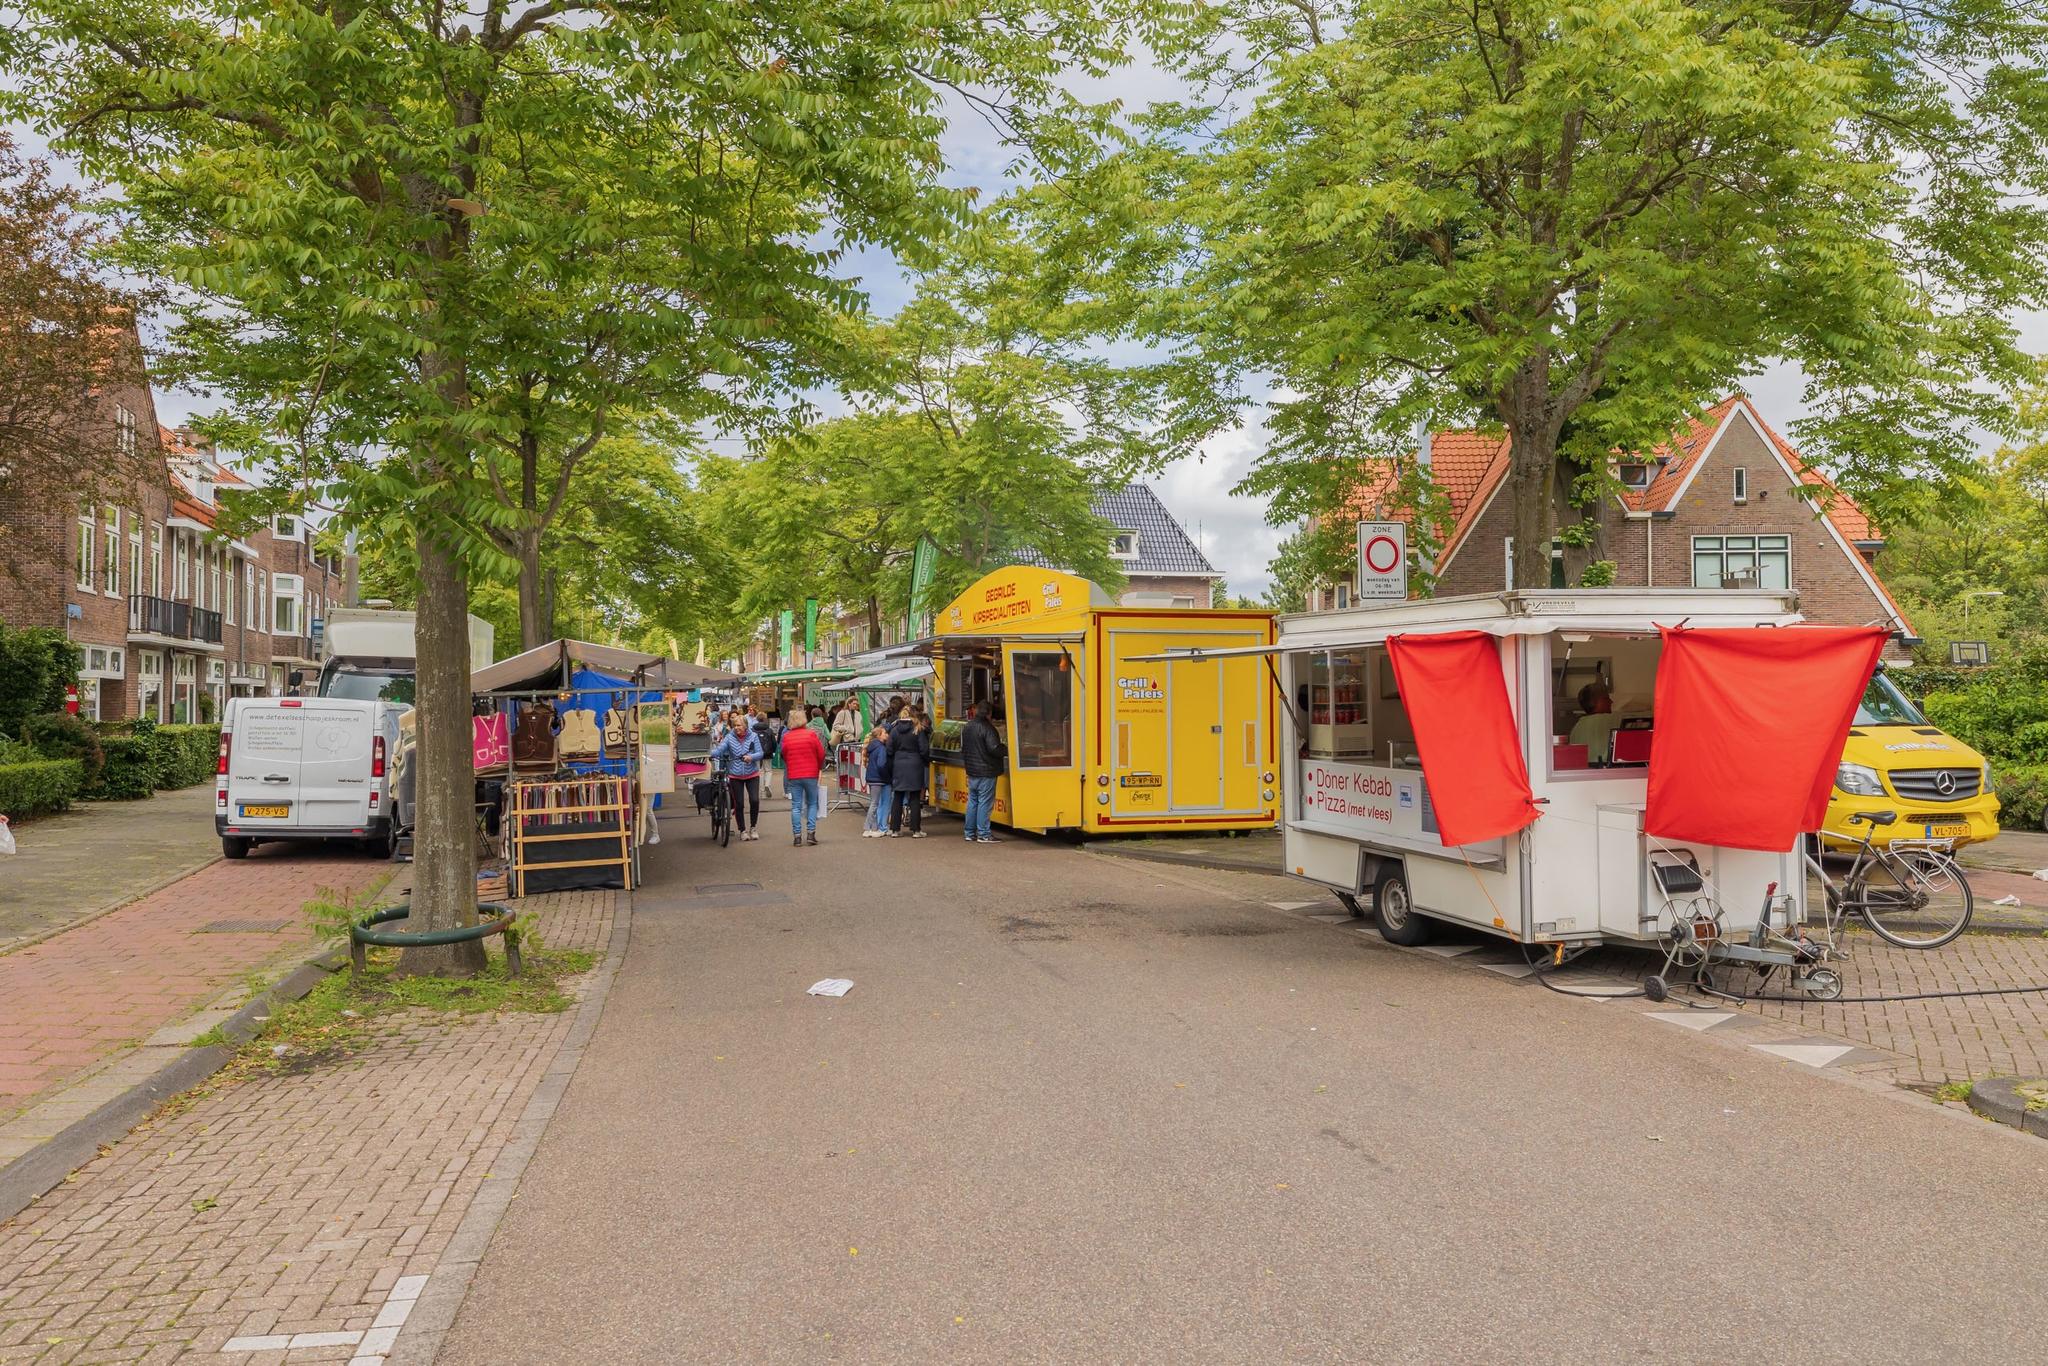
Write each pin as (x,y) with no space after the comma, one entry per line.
(129,772)
(62,735)
(36,665)
(39,787)
(2022,795)
(190,754)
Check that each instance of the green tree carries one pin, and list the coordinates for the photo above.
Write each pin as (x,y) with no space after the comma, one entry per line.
(366,206)
(1576,221)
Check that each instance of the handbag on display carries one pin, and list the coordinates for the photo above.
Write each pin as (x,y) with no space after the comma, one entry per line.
(490,741)
(579,736)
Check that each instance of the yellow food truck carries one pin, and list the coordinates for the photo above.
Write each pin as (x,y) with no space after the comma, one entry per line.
(1102,738)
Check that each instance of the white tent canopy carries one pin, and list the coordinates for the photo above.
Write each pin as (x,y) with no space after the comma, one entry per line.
(548,666)
(915,673)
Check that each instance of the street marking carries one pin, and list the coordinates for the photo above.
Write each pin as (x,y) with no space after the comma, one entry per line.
(1692,1019)
(371,1346)
(1810,1054)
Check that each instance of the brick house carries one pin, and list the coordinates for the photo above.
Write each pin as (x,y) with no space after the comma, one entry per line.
(169,616)
(1718,505)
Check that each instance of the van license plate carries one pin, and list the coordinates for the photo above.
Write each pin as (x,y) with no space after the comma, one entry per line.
(260,812)
(1948,832)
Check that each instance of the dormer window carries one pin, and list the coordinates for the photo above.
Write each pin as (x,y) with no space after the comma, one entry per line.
(1123,545)
(1635,475)
(287,528)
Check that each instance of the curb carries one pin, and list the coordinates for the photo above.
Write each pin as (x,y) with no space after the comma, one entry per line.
(44,1167)
(1999,1098)
(433,1314)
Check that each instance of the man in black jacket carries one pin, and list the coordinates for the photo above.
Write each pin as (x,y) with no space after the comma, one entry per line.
(982,755)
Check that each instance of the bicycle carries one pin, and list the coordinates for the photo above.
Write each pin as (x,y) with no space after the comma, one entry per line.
(721,806)
(1911,893)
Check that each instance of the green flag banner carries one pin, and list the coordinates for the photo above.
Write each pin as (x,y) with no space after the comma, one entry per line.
(810,628)
(924,563)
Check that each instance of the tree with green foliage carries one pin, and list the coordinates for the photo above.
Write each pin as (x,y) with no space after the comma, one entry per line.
(377,215)
(1575,221)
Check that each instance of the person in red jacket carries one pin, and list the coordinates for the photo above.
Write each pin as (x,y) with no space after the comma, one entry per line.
(803,755)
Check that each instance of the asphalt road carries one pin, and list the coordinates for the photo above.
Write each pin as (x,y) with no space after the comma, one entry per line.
(1093,1110)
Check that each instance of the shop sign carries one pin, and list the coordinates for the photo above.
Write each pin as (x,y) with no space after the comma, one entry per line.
(1009,598)
(1346,794)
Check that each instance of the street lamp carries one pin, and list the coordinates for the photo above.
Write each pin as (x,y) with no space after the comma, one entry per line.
(1978,593)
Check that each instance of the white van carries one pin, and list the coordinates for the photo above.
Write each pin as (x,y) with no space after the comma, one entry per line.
(305,768)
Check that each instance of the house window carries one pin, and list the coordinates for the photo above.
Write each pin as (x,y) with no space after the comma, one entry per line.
(1635,475)
(1343,595)
(82,561)
(110,564)
(124,430)
(286,604)
(1741,484)
(286,528)
(181,568)
(214,555)
(1124,545)
(262,596)
(249,600)
(228,595)
(1742,561)
(134,553)
(89,698)
(156,560)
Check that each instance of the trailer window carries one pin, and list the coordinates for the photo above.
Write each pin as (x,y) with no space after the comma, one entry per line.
(973,678)
(1043,700)
(1348,707)
(1603,691)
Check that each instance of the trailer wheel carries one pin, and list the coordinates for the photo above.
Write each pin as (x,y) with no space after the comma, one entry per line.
(1351,904)
(1399,921)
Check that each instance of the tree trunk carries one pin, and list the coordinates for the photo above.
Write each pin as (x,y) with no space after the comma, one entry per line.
(444,843)
(535,629)
(1532,469)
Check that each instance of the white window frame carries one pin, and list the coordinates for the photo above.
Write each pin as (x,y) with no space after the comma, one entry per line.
(88,537)
(135,553)
(1774,544)
(250,603)
(287,590)
(181,567)
(110,567)
(1116,539)
(1740,483)
(285,527)
(214,556)
(1341,594)
(261,611)
(156,559)
(232,589)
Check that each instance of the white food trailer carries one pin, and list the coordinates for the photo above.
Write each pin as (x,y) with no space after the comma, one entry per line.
(1358,817)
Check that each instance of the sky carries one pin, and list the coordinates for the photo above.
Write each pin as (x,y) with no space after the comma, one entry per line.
(1230,528)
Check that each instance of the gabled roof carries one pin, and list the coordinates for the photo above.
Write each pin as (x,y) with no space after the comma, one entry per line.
(1164,546)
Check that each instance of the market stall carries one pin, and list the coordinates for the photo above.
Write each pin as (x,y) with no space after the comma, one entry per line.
(1098,742)
(886,674)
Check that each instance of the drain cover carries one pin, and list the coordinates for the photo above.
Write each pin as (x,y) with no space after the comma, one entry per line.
(720,888)
(244,926)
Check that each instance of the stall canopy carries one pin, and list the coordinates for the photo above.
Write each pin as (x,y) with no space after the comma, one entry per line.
(1750,727)
(553,664)
(1457,701)
(899,675)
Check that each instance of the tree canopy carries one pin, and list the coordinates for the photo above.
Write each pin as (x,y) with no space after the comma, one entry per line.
(1577,221)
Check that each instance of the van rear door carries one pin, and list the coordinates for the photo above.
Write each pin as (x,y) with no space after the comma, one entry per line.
(263,766)
(334,764)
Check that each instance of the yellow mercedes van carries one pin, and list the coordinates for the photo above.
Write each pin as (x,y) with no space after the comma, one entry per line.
(1895,761)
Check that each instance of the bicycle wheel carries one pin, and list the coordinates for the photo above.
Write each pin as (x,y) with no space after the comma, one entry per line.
(721,819)
(1916,899)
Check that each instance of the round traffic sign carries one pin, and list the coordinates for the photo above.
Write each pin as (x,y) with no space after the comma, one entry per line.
(1382,554)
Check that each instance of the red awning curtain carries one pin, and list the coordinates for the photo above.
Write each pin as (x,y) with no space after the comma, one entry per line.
(1457,702)
(1750,726)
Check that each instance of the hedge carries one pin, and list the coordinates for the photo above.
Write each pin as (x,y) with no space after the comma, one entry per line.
(190,755)
(39,788)
(62,735)
(2022,795)
(129,772)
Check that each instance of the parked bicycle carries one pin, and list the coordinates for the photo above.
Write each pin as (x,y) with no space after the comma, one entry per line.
(721,806)
(1911,893)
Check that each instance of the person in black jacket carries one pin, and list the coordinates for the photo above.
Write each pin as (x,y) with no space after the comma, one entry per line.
(910,754)
(982,755)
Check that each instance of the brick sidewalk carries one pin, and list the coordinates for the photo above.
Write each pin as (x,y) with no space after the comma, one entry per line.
(76,999)
(288,1217)
(1930,1042)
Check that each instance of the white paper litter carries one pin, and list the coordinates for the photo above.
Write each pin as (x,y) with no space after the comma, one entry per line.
(2041,873)
(831,986)
(2007,901)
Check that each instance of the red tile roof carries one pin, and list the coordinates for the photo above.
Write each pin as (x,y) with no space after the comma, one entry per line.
(181,506)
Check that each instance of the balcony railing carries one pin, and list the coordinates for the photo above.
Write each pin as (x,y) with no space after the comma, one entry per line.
(177,620)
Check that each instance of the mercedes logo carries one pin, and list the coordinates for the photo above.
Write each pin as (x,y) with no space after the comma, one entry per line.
(1945,782)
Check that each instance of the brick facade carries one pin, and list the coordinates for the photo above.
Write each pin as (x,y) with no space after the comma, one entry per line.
(184,617)
(1654,549)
